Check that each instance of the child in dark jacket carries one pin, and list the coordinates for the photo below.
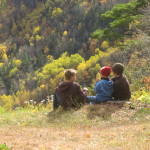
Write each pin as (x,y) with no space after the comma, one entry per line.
(68,93)
(121,84)
(103,88)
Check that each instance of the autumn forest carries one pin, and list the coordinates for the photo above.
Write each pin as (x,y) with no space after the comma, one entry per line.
(39,39)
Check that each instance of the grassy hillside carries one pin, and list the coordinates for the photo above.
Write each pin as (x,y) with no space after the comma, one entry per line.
(106,126)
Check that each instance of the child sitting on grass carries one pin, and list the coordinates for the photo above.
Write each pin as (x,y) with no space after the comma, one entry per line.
(121,84)
(68,93)
(103,88)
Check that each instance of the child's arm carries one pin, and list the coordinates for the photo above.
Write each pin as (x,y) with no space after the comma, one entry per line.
(82,93)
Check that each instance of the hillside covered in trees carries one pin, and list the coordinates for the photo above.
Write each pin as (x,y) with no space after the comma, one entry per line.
(39,39)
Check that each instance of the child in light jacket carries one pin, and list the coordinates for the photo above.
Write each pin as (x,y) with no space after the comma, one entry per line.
(103,88)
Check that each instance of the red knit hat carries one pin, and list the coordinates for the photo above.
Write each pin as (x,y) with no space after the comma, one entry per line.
(105,71)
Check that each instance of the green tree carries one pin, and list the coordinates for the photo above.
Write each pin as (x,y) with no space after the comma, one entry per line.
(121,16)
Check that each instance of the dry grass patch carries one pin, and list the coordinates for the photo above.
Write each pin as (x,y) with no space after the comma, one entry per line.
(102,127)
(128,137)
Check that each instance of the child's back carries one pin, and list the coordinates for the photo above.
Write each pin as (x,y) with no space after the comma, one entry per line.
(71,94)
(121,84)
(121,88)
(104,89)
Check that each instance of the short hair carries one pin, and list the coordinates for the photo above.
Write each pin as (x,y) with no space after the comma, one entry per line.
(69,73)
(118,68)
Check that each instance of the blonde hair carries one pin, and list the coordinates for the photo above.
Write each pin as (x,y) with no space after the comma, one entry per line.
(69,73)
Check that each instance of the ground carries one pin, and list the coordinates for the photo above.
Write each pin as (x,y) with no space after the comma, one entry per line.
(126,137)
(104,127)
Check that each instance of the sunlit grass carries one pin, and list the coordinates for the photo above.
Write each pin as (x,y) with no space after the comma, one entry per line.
(86,116)
(103,126)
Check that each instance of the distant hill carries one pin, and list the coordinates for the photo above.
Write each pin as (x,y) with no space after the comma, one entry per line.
(56,25)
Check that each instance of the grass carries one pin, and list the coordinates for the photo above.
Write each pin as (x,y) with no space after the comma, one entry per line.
(105,127)
(25,116)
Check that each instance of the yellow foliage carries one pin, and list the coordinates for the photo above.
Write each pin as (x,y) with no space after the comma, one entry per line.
(32,41)
(42,86)
(36,30)
(3,49)
(23,95)
(105,45)
(65,33)
(97,50)
(22,86)
(110,50)
(38,38)
(58,78)
(134,24)
(98,76)
(81,66)
(18,63)
(4,57)
(46,50)
(31,44)
(6,102)
(1,65)
(49,58)
(23,124)
(13,71)
(57,12)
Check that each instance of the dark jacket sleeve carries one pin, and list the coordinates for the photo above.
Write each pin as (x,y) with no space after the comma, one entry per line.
(82,94)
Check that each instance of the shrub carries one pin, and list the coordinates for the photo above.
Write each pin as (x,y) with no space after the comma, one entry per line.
(6,102)
(4,147)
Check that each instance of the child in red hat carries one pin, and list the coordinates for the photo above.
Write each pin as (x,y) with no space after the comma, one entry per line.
(103,88)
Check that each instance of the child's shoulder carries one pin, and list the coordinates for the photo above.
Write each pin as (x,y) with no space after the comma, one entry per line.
(106,80)
(64,83)
(121,79)
(61,83)
(76,84)
(101,82)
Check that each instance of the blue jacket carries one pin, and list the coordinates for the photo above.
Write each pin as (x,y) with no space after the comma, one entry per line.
(104,90)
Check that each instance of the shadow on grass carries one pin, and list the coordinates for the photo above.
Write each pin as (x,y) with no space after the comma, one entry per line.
(59,115)
(88,112)
(104,110)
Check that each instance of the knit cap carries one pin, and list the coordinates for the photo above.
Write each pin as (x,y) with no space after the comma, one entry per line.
(105,71)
